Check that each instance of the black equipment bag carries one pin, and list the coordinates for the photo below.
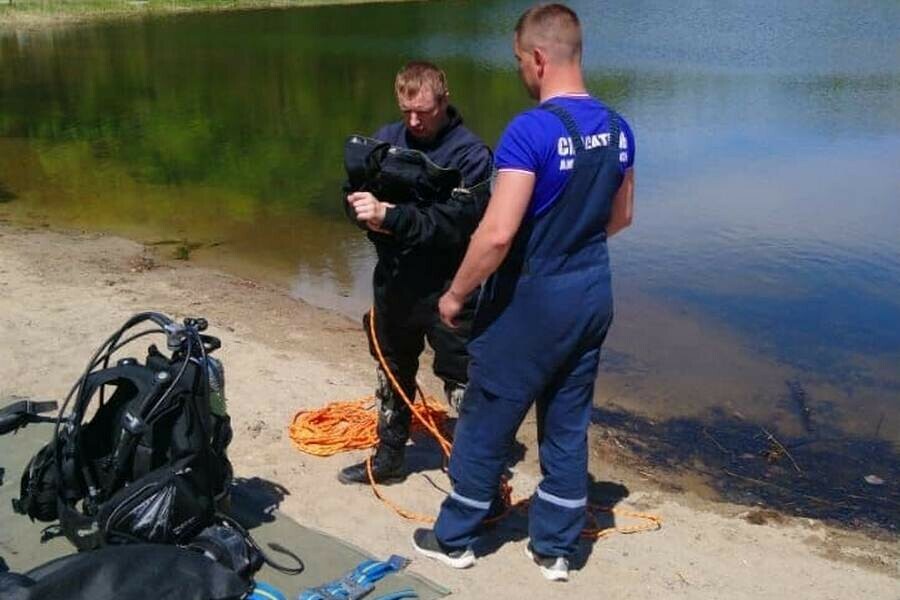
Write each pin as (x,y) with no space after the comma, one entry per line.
(135,572)
(148,463)
(218,564)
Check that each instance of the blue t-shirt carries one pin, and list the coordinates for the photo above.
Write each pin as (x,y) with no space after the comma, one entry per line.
(536,141)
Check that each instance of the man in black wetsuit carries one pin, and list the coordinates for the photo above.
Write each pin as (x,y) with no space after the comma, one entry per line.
(419,248)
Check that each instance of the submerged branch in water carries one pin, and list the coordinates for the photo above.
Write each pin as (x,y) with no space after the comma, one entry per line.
(718,445)
(779,449)
(784,489)
(878,427)
(800,397)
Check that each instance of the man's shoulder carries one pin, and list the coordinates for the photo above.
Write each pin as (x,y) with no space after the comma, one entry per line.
(529,123)
(531,131)
(392,133)
(589,108)
(463,137)
(531,116)
(541,124)
(466,151)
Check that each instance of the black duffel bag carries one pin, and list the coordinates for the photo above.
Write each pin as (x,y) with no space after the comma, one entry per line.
(132,572)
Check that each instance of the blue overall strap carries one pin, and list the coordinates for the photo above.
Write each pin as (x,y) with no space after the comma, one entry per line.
(358,582)
(372,571)
(399,595)
(615,129)
(572,129)
(570,222)
(339,589)
(569,123)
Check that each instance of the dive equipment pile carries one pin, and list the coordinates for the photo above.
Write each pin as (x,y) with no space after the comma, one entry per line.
(149,464)
(137,475)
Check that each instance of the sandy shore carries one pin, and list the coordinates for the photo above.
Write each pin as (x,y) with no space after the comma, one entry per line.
(62,293)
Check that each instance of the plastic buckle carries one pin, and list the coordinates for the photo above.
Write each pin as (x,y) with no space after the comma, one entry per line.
(355,590)
(132,424)
(397,562)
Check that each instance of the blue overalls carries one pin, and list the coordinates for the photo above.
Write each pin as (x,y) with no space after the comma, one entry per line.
(540,323)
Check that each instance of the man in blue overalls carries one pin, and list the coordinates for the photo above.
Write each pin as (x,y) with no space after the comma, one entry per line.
(565,183)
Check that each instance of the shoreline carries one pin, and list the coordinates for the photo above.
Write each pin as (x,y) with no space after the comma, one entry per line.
(681,436)
(61,292)
(23,16)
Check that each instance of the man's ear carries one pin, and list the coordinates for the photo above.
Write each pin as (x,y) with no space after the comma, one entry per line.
(540,60)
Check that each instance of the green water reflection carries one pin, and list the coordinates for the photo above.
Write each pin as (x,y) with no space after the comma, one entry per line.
(214,127)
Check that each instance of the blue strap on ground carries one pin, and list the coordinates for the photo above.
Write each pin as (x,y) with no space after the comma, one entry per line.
(399,595)
(265,591)
(358,582)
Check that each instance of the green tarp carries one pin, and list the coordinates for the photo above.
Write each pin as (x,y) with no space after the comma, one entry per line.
(325,557)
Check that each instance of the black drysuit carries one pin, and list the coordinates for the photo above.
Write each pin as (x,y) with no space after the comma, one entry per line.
(416,262)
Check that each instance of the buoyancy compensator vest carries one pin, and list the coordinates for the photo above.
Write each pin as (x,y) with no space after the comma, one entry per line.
(396,175)
(140,455)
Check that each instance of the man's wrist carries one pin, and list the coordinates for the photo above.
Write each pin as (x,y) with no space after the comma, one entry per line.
(389,218)
(456,294)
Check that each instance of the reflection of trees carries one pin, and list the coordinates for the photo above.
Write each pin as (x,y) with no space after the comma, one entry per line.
(228,122)
(264,120)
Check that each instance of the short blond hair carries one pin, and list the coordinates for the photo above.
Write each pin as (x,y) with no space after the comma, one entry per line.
(418,74)
(553,27)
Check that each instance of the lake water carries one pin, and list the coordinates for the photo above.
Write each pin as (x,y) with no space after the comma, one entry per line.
(759,285)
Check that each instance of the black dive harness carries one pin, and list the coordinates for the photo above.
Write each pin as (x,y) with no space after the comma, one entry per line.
(145,467)
(148,463)
(397,175)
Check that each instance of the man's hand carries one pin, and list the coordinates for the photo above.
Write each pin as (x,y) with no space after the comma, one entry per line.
(449,307)
(491,242)
(369,209)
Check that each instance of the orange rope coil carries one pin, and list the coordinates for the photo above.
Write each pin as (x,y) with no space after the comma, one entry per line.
(347,425)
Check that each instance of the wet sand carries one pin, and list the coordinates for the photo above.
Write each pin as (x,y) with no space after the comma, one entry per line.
(62,293)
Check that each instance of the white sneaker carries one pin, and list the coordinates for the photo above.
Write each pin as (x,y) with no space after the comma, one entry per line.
(553,568)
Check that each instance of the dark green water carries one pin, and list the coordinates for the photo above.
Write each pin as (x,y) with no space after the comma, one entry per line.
(760,283)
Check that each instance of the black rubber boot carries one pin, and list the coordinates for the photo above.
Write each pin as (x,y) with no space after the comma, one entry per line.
(387,467)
